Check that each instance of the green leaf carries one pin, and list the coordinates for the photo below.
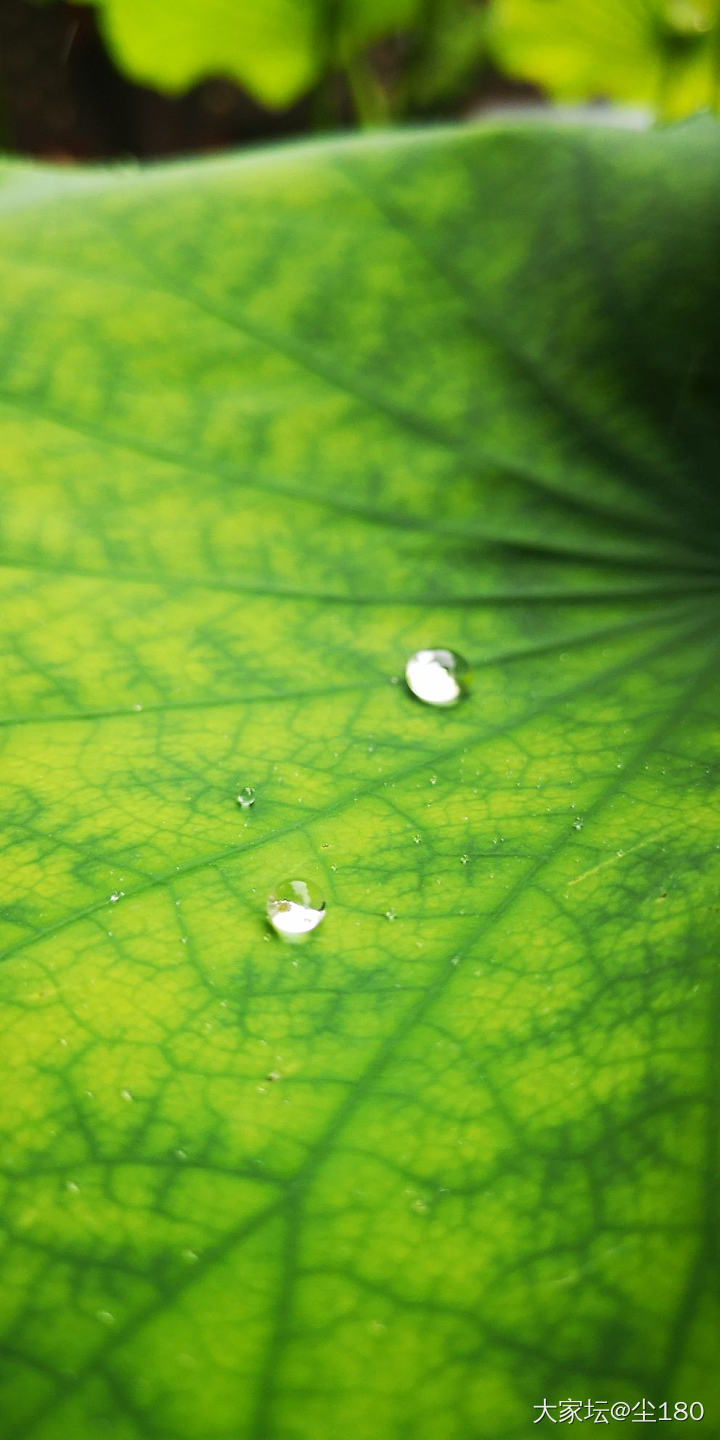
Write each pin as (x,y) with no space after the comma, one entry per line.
(659,53)
(277,49)
(269,424)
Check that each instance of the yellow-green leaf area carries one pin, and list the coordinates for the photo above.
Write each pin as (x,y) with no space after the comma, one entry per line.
(662,54)
(269,425)
(277,49)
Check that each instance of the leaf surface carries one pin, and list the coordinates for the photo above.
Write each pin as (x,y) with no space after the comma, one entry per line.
(277,49)
(269,424)
(662,54)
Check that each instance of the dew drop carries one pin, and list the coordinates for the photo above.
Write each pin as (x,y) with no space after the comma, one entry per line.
(391,914)
(464,859)
(116,895)
(106,1317)
(437,677)
(246,798)
(294,908)
(577,823)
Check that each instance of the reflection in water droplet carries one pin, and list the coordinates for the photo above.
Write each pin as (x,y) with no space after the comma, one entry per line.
(294,908)
(438,677)
(246,798)
(577,824)
(391,914)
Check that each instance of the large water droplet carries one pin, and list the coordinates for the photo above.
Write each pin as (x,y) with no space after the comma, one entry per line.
(294,908)
(438,677)
(246,798)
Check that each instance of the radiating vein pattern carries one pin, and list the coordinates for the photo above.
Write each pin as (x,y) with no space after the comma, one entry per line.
(270,426)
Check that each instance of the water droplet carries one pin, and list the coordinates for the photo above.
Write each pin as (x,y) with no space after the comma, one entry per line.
(577,823)
(246,798)
(294,908)
(464,859)
(391,914)
(417,839)
(190,1256)
(72,1186)
(437,677)
(125,1095)
(116,895)
(106,1317)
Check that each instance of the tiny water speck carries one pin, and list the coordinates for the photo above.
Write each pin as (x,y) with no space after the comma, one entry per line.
(391,914)
(577,824)
(295,908)
(116,895)
(246,798)
(437,677)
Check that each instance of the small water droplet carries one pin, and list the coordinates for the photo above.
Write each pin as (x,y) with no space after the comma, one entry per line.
(180,1154)
(125,1095)
(106,1317)
(116,895)
(246,798)
(464,859)
(190,1256)
(72,1186)
(437,677)
(417,839)
(391,914)
(295,908)
(577,823)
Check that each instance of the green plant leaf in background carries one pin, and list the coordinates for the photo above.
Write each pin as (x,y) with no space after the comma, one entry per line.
(664,54)
(277,49)
(269,424)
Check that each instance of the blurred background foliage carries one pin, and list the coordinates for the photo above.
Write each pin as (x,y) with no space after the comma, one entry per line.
(105,78)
